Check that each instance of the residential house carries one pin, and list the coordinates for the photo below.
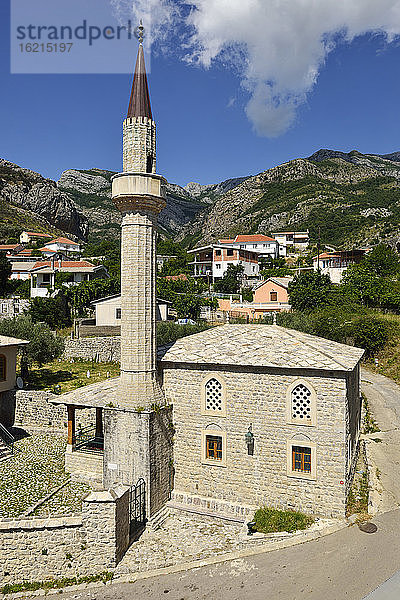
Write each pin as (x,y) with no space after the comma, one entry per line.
(270,296)
(108,311)
(262,244)
(13,307)
(335,264)
(213,260)
(291,241)
(43,274)
(9,347)
(61,244)
(30,236)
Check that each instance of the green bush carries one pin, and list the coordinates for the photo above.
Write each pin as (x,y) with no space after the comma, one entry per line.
(370,333)
(271,520)
(168,332)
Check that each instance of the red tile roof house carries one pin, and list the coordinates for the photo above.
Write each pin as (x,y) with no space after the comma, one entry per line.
(264,245)
(43,274)
(269,296)
(30,236)
(213,260)
(62,244)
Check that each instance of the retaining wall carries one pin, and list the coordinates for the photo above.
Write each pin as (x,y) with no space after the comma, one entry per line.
(36,549)
(99,349)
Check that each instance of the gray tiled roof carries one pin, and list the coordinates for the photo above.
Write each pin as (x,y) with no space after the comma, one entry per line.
(261,346)
(94,395)
(6,340)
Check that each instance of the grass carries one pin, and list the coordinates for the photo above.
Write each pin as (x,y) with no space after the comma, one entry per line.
(369,423)
(272,520)
(55,583)
(62,376)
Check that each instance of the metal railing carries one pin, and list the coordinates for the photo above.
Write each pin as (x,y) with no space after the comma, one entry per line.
(7,438)
(86,440)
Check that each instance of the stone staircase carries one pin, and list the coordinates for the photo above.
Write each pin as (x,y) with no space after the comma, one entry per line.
(5,451)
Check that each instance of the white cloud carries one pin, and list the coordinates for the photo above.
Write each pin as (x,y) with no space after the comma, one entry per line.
(277,47)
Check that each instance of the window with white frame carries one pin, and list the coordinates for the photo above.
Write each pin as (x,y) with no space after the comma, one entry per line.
(301,459)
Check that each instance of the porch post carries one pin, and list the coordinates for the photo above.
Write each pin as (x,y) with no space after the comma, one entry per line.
(71,425)
(99,423)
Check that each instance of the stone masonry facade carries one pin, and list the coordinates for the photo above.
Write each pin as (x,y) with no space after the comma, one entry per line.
(258,398)
(99,349)
(139,142)
(35,549)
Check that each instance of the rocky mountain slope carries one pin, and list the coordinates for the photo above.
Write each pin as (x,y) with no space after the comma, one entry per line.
(91,191)
(29,201)
(354,199)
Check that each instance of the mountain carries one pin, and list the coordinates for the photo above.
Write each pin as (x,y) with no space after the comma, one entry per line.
(91,191)
(352,198)
(29,201)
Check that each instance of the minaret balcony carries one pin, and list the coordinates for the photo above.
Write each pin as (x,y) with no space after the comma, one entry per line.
(138,190)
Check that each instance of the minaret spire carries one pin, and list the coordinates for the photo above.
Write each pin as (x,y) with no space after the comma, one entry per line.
(139,104)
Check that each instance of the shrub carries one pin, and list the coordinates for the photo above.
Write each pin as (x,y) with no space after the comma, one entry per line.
(271,520)
(370,333)
(168,332)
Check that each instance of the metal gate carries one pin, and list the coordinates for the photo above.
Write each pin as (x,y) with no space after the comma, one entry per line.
(137,507)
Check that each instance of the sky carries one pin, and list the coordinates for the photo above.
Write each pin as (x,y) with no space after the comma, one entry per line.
(236,86)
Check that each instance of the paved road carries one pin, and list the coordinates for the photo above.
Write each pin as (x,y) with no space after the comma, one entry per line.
(346,565)
(384,399)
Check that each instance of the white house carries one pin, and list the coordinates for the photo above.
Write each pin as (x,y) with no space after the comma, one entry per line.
(290,241)
(31,236)
(213,260)
(264,245)
(108,310)
(60,244)
(43,274)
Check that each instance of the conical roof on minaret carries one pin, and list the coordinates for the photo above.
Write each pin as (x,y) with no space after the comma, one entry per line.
(139,104)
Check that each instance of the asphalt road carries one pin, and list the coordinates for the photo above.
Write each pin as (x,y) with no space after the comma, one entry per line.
(348,564)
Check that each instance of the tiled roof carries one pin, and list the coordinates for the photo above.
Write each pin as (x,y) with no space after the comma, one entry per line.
(9,246)
(96,394)
(226,241)
(283,281)
(253,238)
(32,233)
(261,346)
(64,264)
(63,240)
(327,255)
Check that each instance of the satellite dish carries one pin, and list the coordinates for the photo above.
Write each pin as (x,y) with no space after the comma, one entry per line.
(20,383)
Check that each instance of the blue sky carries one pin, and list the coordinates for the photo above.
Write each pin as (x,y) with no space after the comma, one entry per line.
(50,123)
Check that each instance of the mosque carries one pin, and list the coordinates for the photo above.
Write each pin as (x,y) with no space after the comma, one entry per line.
(224,421)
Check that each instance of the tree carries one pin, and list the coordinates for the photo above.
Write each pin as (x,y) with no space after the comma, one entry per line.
(310,290)
(231,281)
(383,261)
(5,272)
(82,295)
(44,346)
(55,312)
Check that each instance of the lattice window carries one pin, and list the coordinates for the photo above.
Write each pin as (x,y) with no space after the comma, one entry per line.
(213,390)
(301,403)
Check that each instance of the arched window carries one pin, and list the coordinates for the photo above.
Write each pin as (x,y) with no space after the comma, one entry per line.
(213,395)
(301,403)
(3,367)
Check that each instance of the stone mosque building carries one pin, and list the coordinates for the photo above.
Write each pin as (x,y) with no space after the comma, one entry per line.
(224,421)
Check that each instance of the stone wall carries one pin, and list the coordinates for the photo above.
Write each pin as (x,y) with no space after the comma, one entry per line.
(259,399)
(7,407)
(35,410)
(148,435)
(99,349)
(13,307)
(35,549)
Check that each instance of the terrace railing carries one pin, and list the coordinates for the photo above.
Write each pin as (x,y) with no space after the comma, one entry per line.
(86,440)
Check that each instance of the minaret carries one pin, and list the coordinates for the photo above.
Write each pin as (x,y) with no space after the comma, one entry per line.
(138,193)
(137,424)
